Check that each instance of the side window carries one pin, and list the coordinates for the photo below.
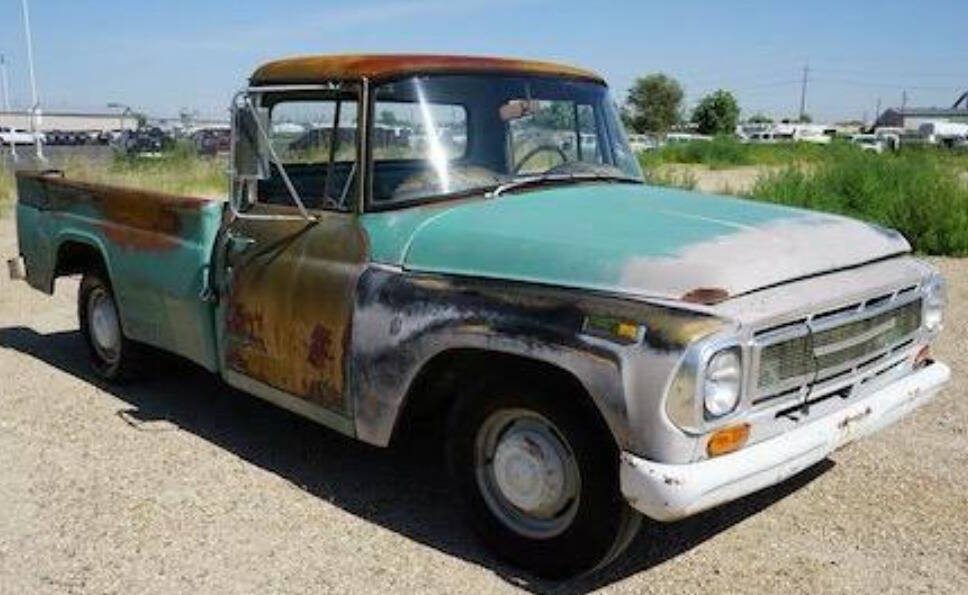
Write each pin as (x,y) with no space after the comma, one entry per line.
(316,141)
(306,131)
(405,130)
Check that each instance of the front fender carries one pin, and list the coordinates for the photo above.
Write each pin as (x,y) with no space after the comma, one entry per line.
(402,321)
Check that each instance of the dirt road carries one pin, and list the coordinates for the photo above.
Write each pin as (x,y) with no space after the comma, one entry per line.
(180,485)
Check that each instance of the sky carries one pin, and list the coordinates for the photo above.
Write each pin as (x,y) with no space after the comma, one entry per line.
(162,57)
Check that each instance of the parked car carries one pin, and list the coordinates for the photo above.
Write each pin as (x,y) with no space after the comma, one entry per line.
(686,137)
(144,141)
(597,348)
(15,136)
(868,142)
(643,142)
(211,141)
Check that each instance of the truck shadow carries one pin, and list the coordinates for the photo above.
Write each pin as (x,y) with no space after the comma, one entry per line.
(403,489)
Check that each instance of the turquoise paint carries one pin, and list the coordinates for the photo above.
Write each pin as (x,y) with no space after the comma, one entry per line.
(158,290)
(579,235)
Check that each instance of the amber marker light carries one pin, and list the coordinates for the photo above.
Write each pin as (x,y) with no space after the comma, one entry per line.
(923,358)
(623,331)
(728,440)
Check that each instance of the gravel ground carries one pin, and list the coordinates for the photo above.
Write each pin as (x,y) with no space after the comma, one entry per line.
(180,485)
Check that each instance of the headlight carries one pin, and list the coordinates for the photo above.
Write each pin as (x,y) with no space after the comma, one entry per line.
(721,383)
(935,298)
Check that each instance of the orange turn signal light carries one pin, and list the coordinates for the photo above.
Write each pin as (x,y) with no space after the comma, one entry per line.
(728,440)
(923,358)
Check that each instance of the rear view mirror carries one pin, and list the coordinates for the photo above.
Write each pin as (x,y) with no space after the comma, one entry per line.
(250,154)
(517,108)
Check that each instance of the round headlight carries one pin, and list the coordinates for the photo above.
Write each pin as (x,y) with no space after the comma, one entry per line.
(721,382)
(935,299)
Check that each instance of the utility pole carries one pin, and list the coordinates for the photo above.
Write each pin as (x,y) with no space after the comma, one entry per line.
(903,100)
(803,91)
(35,113)
(6,100)
(877,112)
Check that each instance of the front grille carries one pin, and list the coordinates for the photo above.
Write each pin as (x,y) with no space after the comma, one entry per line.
(843,344)
(834,344)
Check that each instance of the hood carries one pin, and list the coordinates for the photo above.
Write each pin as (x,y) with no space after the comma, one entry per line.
(634,239)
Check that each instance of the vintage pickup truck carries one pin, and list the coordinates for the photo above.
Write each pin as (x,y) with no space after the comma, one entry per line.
(470,240)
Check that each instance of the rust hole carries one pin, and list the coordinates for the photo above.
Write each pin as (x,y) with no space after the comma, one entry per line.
(706,295)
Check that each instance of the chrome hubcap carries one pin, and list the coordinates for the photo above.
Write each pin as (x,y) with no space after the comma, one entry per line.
(527,473)
(105,327)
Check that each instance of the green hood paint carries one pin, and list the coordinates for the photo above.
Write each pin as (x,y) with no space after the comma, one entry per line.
(634,239)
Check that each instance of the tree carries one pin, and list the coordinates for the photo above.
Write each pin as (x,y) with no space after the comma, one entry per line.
(760,119)
(805,119)
(717,113)
(654,103)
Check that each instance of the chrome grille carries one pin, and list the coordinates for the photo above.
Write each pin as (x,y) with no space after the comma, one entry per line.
(834,344)
(843,344)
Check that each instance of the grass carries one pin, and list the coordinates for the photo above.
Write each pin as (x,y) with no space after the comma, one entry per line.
(922,191)
(180,171)
(671,177)
(916,192)
(725,152)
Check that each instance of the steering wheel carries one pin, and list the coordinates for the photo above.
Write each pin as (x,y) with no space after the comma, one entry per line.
(535,151)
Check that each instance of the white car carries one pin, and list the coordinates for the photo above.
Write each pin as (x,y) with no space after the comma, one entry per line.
(868,142)
(15,136)
(642,142)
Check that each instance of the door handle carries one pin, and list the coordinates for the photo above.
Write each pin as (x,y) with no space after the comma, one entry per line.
(237,245)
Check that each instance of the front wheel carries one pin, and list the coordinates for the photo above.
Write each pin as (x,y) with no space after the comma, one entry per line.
(113,356)
(539,474)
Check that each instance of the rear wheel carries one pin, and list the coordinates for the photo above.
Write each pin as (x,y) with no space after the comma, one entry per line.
(113,356)
(539,474)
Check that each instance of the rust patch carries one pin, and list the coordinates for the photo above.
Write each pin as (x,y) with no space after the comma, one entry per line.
(324,394)
(131,218)
(289,310)
(319,347)
(709,296)
(375,66)
(244,324)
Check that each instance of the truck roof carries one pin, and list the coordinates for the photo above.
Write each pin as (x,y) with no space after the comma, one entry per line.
(312,69)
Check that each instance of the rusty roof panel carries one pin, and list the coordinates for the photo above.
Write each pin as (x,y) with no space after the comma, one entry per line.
(308,69)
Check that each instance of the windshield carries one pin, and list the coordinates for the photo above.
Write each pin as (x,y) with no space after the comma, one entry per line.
(439,136)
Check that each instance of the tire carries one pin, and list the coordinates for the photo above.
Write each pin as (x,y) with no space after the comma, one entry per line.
(569,527)
(113,356)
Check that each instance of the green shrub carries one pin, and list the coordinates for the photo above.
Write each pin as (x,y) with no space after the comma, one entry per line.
(912,191)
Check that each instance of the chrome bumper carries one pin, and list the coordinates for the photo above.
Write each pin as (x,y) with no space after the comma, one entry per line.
(17,268)
(670,492)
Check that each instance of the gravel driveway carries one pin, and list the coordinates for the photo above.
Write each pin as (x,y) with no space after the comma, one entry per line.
(180,485)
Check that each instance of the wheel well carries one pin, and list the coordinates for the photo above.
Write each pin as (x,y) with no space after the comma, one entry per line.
(440,380)
(75,257)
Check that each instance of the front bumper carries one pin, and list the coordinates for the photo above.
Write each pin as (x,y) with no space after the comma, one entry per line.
(670,492)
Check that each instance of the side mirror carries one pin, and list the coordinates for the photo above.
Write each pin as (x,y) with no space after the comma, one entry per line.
(250,155)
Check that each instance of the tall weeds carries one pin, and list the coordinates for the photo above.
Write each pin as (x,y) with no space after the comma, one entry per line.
(914,192)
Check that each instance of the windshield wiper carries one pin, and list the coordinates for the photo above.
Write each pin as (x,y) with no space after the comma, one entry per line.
(558,178)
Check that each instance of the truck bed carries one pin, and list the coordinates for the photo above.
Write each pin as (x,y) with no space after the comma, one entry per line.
(156,249)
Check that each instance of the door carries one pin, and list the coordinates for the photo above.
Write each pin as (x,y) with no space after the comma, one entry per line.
(288,303)
(287,283)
